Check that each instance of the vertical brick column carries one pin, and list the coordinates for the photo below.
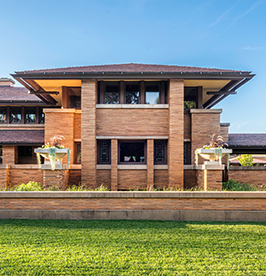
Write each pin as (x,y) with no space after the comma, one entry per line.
(176,133)
(88,132)
(150,164)
(114,172)
(9,155)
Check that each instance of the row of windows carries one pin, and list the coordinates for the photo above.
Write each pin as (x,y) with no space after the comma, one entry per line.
(21,114)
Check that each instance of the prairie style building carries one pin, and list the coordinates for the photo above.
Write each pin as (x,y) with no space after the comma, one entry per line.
(127,125)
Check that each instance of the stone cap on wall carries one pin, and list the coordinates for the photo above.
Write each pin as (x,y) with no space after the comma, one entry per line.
(202,111)
(251,168)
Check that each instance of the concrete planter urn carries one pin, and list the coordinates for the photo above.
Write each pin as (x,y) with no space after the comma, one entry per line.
(54,155)
(212,154)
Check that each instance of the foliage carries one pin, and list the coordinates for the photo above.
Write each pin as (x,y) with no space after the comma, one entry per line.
(56,142)
(216,141)
(82,188)
(30,186)
(189,104)
(232,185)
(245,160)
(124,247)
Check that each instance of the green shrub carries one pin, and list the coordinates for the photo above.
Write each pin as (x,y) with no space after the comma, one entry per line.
(31,186)
(232,185)
(245,160)
(81,188)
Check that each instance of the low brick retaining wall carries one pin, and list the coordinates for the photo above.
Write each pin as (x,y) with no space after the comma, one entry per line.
(199,206)
(253,175)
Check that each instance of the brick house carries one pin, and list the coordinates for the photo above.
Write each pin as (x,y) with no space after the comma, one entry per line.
(127,125)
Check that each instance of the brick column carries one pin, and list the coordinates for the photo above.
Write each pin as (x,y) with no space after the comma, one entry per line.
(114,172)
(88,132)
(176,133)
(9,155)
(150,164)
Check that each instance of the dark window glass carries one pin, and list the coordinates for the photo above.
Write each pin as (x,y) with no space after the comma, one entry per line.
(104,152)
(78,153)
(152,93)
(160,152)
(132,94)
(187,153)
(30,113)
(74,97)
(190,97)
(1,154)
(42,116)
(132,152)
(111,93)
(15,114)
(3,116)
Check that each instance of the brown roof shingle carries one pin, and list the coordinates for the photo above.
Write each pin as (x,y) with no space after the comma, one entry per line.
(22,137)
(9,93)
(247,139)
(131,68)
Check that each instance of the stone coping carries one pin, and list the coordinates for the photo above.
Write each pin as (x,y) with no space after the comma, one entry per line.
(61,110)
(165,106)
(137,194)
(206,111)
(251,168)
(131,137)
(23,126)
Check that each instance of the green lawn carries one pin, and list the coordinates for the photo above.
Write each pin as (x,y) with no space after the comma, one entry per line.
(46,247)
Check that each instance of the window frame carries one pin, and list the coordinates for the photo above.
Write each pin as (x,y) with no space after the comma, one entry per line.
(98,152)
(165,150)
(76,153)
(130,142)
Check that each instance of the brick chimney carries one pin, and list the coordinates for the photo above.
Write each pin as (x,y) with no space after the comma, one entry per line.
(6,82)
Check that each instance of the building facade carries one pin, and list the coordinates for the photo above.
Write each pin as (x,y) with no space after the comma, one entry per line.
(128,126)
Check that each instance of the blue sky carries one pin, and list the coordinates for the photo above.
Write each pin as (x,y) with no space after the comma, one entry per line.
(227,34)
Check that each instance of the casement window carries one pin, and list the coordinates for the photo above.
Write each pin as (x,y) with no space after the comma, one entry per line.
(190,97)
(30,113)
(16,114)
(187,153)
(74,97)
(104,151)
(132,93)
(160,152)
(77,153)
(3,114)
(132,152)
(1,154)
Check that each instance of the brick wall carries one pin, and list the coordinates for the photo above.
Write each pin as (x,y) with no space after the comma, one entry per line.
(74,177)
(190,179)
(150,164)
(204,123)
(4,176)
(224,132)
(132,179)
(88,132)
(25,175)
(77,126)
(103,177)
(160,179)
(135,201)
(176,133)
(251,175)
(61,122)
(131,122)
(10,155)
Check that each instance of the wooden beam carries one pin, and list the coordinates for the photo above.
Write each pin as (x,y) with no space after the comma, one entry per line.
(221,92)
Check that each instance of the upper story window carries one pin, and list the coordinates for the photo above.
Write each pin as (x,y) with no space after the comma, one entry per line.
(132,93)
(30,113)
(111,95)
(3,114)
(16,114)
(74,97)
(190,97)
(152,93)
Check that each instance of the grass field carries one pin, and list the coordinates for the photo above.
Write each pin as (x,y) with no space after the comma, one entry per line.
(46,247)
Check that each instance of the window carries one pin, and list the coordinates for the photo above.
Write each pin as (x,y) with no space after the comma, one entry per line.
(160,152)
(187,153)
(1,154)
(3,115)
(77,156)
(152,93)
(132,94)
(74,100)
(104,151)
(42,116)
(30,113)
(16,114)
(111,93)
(132,152)
(190,97)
